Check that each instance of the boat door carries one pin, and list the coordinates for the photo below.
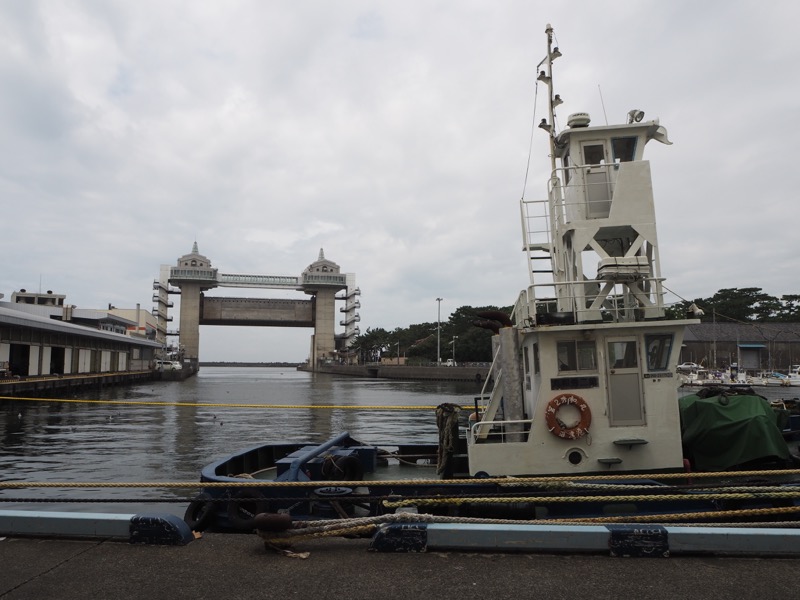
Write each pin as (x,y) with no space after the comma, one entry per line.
(625,402)
(596,178)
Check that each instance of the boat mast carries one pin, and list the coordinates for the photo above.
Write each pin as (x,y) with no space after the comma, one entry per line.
(547,78)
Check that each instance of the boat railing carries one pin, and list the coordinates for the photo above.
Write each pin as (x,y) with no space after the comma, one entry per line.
(498,431)
(593,300)
(587,191)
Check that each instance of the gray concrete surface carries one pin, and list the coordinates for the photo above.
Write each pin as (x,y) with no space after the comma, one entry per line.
(230,566)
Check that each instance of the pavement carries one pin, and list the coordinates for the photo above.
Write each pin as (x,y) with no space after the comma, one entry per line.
(240,566)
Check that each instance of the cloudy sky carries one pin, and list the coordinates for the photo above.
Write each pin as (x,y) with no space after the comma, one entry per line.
(395,135)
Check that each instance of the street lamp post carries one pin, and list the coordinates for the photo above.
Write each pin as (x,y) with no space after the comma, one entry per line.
(455,337)
(439,333)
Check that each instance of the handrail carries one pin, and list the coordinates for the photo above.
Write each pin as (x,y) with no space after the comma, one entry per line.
(476,436)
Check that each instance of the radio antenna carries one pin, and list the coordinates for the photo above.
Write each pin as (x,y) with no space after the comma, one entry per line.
(603,104)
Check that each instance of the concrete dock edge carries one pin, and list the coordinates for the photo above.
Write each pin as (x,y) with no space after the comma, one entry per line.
(157,529)
(616,540)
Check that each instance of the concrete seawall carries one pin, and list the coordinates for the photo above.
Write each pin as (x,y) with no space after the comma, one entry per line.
(53,383)
(476,374)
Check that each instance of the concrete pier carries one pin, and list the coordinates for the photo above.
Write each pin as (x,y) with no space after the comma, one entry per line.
(239,566)
(477,374)
(53,383)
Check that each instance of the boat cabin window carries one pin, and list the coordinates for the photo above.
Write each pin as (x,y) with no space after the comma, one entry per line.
(536,359)
(565,162)
(624,149)
(593,154)
(659,348)
(576,356)
(622,355)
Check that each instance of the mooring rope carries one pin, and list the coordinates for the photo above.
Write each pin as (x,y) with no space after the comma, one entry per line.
(367,525)
(509,482)
(456,500)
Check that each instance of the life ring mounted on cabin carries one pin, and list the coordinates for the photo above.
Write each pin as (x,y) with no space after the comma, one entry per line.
(557,427)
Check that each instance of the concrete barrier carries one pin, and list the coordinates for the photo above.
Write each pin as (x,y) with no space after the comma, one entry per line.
(157,529)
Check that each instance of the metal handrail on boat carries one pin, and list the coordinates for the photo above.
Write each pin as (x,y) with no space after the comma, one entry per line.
(499,435)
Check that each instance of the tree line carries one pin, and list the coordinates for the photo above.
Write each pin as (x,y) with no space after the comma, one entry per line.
(418,343)
(459,338)
(744,305)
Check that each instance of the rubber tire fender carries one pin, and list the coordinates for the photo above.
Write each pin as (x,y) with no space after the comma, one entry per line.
(200,512)
(244,505)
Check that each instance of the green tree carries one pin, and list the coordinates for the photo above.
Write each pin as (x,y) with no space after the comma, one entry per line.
(789,311)
(740,304)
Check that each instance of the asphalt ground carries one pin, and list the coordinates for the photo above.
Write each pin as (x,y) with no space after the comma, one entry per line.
(231,566)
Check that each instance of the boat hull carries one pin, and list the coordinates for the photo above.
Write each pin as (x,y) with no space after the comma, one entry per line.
(261,488)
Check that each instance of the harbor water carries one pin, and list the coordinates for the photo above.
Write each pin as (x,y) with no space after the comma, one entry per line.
(167,431)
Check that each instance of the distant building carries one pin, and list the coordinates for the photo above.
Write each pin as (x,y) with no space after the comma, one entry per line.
(753,346)
(40,334)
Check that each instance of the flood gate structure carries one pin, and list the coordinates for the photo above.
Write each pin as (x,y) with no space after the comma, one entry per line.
(322,280)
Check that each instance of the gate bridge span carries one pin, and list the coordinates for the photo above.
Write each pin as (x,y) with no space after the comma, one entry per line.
(322,280)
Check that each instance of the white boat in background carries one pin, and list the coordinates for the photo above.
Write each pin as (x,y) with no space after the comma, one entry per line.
(771,379)
(794,375)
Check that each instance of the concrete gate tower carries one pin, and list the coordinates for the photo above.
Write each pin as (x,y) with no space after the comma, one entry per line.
(322,280)
(193,276)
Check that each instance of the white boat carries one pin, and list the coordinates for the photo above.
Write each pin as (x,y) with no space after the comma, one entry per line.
(596,386)
(794,375)
(770,379)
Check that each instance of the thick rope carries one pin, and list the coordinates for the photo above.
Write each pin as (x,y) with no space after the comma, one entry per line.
(501,481)
(569,499)
(360,526)
(447,425)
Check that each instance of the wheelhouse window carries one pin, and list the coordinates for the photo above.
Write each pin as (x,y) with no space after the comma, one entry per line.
(576,356)
(659,348)
(622,355)
(624,149)
(593,154)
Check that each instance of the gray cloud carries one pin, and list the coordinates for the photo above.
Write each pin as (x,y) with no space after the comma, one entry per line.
(393,135)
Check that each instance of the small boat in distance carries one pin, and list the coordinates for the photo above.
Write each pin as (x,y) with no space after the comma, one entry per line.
(585,375)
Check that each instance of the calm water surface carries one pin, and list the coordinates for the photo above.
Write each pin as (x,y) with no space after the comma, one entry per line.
(199,422)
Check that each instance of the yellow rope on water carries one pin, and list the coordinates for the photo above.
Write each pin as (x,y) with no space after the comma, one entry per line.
(231,404)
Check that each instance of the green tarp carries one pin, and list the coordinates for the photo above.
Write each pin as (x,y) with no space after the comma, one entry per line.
(723,431)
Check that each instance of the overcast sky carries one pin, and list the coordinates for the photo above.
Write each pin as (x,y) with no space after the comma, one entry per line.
(395,135)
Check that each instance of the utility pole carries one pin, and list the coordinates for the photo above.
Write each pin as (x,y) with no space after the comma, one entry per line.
(439,333)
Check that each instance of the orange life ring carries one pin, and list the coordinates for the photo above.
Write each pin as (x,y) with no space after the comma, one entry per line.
(557,427)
